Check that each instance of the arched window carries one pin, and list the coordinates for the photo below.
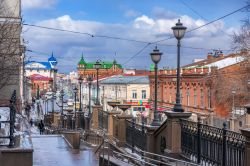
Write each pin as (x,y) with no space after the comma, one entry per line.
(195,97)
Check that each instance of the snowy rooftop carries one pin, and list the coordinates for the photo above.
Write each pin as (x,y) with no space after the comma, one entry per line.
(120,79)
(226,62)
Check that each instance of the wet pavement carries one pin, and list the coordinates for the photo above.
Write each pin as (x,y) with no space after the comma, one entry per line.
(51,150)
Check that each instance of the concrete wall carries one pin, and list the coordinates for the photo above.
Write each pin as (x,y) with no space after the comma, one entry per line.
(73,138)
(14,157)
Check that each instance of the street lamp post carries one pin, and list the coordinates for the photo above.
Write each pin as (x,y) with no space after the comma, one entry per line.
(233,108)
(179,32)
(80,83)
(89,82)
(90,79)
(156,57)
(75,92)
(52,100)
(97,66)
(61,95)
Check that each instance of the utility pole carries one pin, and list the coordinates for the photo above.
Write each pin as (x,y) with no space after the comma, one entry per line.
(115,92)
(103,95)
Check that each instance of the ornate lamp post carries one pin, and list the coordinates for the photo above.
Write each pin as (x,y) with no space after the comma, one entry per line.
(80,83)
(233,108)
(179,32)
(75,92)
(90,79)
(97,66)
(61,95)
(156,57)
(52,100)
(89,113)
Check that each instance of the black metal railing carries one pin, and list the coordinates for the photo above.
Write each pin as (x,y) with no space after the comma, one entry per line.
(211,145)
(103,120)
(135,135)
(12,120)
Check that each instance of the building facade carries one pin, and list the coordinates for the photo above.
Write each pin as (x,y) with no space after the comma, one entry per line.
(86,69)
(12,52)
(206,85)
(42,74)
(133,90)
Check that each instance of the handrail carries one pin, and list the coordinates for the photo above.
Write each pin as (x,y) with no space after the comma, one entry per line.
(169,158)
(99,146)
(134,158)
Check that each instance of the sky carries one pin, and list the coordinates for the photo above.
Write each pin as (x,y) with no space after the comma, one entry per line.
(146,21)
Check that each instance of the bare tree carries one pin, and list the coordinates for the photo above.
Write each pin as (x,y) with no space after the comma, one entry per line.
(241,39)
(10,49)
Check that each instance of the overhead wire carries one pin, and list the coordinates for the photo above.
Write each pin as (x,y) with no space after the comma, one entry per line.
(211,22)
(133,40)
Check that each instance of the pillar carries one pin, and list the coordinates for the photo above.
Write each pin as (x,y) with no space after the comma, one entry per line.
(111,122)
(119,128)
(174,131)
(247,125)
(95,109)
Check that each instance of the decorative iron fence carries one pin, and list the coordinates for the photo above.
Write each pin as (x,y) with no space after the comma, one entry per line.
(103,119)
(135,135)
(210,145)
(12,107)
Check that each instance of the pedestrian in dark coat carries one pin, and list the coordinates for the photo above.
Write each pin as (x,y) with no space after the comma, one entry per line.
(41,127)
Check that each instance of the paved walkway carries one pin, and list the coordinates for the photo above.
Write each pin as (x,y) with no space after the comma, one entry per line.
(54,151)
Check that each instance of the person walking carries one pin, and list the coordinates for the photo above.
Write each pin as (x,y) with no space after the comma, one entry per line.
(41,127)
(31,122)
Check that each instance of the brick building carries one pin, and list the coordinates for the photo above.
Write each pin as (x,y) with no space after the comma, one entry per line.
(206,85)
(40,84)
(107,69)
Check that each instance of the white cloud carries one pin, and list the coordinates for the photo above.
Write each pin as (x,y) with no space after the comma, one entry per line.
(37,4)
(161,13)
(144,22)
(131,13)
(68,47)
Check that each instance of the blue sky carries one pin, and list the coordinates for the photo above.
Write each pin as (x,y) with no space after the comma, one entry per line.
(147,20)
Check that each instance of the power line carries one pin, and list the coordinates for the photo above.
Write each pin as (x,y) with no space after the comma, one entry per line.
(132,40)
(84,33)
(211,22)
(141,50)
(57,29)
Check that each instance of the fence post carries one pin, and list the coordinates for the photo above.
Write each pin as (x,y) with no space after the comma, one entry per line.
(199,140)
(12,118)
(224,144)
(133,130)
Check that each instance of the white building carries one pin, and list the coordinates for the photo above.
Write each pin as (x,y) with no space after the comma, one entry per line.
(46,69)
(134,90)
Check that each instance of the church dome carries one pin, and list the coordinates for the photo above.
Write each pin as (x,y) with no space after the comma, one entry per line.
(81,62)
(52,58)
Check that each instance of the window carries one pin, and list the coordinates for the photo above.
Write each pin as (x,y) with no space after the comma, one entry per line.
(195,95)
(134,94)
(188,94)
(143,94)
(202,98)
(209,98)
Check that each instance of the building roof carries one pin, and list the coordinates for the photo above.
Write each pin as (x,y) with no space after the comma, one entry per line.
(52,58)
(219,62)
(82,64)
(38,77)
(120,79)
(35,65)
(45,65)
